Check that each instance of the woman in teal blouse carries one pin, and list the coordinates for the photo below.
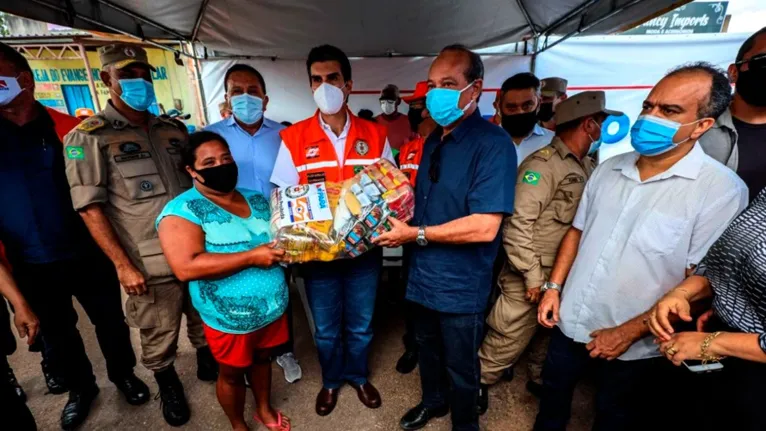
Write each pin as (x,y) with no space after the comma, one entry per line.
(218,239)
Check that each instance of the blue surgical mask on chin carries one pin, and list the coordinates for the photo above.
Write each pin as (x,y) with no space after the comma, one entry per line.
(137,93)
(247,108)
(652,136)
(442,104)
(595,144)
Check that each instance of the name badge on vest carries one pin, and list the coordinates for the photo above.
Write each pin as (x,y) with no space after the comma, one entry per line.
(316,177)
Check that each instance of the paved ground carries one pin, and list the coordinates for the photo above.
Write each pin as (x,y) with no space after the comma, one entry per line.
(512,408)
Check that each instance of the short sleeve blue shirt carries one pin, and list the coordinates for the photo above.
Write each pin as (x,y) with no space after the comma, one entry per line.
(477,176)
(250,299)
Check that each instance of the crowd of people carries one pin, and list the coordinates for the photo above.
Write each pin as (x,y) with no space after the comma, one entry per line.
(646,270)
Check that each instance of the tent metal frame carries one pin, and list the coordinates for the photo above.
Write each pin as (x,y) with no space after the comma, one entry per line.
(536,35)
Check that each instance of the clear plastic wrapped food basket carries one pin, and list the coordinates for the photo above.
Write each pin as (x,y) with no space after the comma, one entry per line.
(327,221)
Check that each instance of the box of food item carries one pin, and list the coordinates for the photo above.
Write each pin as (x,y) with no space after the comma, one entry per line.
(327,221)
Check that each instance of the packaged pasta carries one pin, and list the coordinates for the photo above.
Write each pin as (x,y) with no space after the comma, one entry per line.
(327,221)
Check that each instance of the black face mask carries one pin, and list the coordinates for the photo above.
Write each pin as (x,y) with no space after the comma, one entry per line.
(751,85)
(519,125)
(221,178)
(546,112)
(416,117)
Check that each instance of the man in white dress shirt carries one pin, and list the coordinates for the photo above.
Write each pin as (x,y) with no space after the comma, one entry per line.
(645,221)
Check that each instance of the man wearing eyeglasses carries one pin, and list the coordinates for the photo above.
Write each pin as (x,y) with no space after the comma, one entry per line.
(738,136)
(464,188)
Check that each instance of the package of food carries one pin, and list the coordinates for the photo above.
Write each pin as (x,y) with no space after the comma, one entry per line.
(328,221)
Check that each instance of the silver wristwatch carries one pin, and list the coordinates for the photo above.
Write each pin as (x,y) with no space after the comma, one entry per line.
(421,240)
(550,285)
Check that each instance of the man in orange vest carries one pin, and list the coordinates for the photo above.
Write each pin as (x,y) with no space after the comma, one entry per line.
(409,158)
(334,145)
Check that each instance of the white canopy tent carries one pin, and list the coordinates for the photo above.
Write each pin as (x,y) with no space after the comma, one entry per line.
(288,29)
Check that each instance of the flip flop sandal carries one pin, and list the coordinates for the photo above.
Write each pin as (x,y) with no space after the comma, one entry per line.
(283,422)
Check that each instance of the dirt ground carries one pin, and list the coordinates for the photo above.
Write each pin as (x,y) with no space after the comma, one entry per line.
(511,406)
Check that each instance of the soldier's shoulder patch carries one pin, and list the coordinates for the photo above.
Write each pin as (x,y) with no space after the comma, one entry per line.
(531,178)
(543,153)
(75,152)
(91,124)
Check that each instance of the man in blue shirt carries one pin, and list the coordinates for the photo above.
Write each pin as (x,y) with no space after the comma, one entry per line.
(465,188)
(253,139)
(254,143)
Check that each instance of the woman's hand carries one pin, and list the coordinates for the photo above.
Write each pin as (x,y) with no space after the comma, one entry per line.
(26,322)
(683,346)
(266,256)
(674,302)
(704,318)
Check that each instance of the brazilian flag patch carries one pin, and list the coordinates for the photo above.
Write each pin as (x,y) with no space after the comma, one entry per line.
(531,177)
(75,153)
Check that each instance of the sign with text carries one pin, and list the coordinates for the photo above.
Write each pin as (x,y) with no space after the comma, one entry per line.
(703,17)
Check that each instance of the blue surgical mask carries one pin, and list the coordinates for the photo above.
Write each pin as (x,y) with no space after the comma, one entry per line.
(595,144)
(652,136)
(137,93)
(248,109)
(442,104)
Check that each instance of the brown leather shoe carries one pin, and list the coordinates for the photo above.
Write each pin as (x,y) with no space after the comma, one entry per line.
(368,395)
(326,401)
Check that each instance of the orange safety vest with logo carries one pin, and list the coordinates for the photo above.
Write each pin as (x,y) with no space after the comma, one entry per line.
(410,155)
(314,154)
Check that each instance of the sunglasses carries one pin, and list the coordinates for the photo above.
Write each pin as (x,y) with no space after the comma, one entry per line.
(756,62)
(436,163)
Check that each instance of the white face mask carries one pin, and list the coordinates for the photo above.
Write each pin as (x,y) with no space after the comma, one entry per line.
(9,89)
(329,98)
(387,106)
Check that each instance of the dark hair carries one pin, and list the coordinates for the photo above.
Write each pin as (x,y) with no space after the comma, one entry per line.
(475,68)
(323,53)
(521,81)
(189,150)
(9,54)
(365,114)
(749,44)
(243,68)
(573,124)
(286,123)
(719,98)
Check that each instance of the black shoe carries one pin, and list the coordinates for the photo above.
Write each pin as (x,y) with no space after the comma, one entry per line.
(483,402)
(55,385)
(134,389)
(508,374)
(175,409)
(77,408)
(407,362)
(419,416)
(207,367)
(535,388)
(12,382)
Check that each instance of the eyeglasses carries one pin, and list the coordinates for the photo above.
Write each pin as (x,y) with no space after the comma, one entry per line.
(436,163)
(756,62)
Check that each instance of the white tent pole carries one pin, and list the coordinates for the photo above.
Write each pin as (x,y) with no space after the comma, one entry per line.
(198,22)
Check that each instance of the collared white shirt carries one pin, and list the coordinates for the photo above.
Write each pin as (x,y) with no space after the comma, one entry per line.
(539,138)
(286,174)
(254,155)
(638,239)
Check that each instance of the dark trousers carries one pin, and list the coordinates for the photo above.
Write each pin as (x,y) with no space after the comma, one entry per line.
(449,362)
(410,344)
(49,289)
(341,295)
(15,413)
(621,387)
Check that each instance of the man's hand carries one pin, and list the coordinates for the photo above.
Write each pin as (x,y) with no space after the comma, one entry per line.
(704,318)
(533,295)
(549,306)
(610,343)
(26,323)
(266,256)
(131,279)
(400,233)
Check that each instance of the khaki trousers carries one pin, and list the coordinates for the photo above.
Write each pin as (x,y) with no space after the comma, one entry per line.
(512,324)
(157,314)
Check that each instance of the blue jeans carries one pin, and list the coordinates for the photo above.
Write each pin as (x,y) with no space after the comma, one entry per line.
(341,296)
(449,362)
(622,387)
